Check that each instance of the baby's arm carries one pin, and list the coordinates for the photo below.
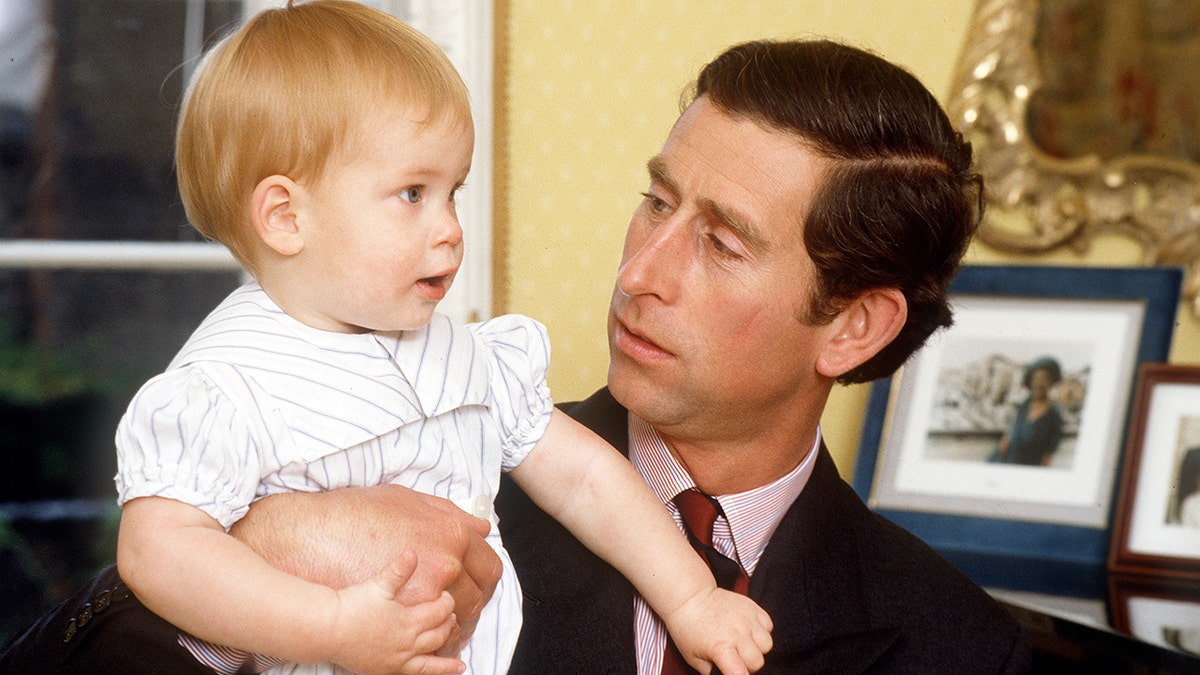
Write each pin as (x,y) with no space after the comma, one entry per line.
(181,563)
(597,494)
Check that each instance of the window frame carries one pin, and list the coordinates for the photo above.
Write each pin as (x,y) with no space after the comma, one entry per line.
(463,28)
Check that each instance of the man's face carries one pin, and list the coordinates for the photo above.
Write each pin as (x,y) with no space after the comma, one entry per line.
(704,328)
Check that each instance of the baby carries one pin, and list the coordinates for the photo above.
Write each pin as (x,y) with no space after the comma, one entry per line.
(323,143)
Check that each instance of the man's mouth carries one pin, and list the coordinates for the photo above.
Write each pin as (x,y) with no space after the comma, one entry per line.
(635,344)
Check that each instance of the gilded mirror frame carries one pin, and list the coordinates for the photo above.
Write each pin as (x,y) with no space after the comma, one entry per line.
(1037,203)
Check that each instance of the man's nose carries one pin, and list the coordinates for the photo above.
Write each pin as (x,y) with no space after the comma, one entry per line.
(654,260)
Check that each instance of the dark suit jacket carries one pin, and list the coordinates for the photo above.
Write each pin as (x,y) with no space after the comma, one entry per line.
(101,628)
(848,591)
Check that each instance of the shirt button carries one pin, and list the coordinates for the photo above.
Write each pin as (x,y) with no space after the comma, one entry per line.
(482,508)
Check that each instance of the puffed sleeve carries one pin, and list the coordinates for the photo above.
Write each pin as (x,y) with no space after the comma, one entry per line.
(518,351)
(183,438)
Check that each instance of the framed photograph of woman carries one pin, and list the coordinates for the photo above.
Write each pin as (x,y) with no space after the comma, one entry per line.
(1158,511)
(999,442)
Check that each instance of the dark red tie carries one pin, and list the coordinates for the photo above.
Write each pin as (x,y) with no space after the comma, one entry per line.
(699,512)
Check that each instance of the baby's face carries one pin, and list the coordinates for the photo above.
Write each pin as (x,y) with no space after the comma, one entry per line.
(383,242)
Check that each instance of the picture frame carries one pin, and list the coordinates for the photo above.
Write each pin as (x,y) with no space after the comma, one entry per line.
(1158,610)
(1157,524)
(930,457)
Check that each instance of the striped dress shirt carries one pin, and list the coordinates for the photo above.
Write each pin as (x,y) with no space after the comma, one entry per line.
(257,403)
(741,535)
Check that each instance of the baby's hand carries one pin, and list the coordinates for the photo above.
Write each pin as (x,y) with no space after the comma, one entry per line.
(721,628)
(375,633)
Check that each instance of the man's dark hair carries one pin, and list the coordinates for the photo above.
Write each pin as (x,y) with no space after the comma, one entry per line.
(900,202)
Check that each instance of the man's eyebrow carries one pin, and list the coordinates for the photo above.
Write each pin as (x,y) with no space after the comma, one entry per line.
(741,226)
(657,168)
(728,218)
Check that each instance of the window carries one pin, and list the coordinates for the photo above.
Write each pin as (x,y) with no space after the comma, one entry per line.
(101,277)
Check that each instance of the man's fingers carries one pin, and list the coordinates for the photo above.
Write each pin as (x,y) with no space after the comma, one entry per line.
(469,598)
(469,568)
(482,564)
(478,525)
(477,558)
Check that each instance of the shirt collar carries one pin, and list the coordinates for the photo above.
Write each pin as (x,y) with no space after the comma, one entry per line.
(444,363)
(752,516)
(368,384)
(440,364)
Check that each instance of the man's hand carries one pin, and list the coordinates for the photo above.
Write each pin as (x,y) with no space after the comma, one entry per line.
(348,536)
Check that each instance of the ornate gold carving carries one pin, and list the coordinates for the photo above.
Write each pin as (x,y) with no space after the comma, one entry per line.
(1037,202)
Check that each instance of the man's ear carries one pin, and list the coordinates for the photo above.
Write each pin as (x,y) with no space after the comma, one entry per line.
(273,212)
(861,330)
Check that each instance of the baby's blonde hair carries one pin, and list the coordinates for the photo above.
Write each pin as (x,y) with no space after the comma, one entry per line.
(287,91)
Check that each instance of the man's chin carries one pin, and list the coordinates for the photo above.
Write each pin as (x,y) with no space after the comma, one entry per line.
(635,388)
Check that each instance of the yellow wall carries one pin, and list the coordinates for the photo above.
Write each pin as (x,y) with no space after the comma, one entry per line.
(592,90)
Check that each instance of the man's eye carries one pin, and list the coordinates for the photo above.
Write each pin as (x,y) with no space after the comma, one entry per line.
(720,247)
(655,203)
(411,195)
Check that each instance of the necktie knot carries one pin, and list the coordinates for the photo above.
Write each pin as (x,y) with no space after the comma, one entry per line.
(699,512)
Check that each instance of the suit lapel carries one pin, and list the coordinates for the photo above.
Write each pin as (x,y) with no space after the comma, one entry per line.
(602,414)
(807,578)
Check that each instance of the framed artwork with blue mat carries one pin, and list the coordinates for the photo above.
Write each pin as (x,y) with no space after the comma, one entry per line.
(999,442)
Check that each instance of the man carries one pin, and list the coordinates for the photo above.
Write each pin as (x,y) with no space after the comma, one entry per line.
(801,226)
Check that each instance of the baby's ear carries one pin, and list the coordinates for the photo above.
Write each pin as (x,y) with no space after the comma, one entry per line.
(273,213)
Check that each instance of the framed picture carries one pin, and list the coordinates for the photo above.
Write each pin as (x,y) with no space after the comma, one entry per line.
(998,443)
(1157,528)
(1160,611)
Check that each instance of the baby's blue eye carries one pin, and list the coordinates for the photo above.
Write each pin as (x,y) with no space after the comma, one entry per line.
(411,195)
